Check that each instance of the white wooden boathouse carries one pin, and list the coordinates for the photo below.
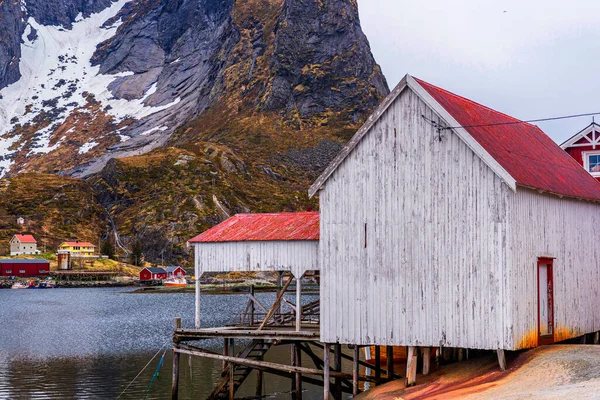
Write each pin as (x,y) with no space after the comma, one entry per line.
(446,223)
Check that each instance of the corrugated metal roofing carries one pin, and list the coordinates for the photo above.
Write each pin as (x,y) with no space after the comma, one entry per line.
(23,261)
(522,149)
(263,227)
(26,238)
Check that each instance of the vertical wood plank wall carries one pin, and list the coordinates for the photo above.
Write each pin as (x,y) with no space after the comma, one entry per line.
(436,239)
(568,229)
(294,256)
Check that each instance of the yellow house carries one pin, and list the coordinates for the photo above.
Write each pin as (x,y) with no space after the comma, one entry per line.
(78,249)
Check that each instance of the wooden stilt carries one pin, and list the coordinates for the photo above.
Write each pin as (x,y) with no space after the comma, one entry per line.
(326,372)
(299,303)
(389,355)
(426,360)
(337,366)
(411,366)
(293,362)
(597,337)
(501,359)
(461,354)
(378,362)
(175,376)
(582,339)
(231,382)
(252,306)
(259,383)
(298,375)
(225,351)
(355,371)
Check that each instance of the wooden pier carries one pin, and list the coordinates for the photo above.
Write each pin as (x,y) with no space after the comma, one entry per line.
(260,329)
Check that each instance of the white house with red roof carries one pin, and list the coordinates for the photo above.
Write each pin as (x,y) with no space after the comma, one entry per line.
(23,245)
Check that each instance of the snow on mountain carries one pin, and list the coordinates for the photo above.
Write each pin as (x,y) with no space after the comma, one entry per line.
(57,77)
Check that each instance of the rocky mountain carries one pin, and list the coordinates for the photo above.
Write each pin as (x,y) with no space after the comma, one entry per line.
(181,112)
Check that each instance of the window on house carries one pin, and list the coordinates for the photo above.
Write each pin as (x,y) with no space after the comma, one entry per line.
(592,163)
(9,271)
(42,271)
(22,271)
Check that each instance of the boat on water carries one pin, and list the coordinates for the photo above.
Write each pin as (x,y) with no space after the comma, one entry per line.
(41,285)
(175,282)
(19,285)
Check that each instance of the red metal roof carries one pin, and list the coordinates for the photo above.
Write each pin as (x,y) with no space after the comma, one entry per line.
(263,227)
(26,238)
(80,244)
(522,149)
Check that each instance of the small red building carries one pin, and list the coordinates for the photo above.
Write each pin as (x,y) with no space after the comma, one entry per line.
(153,274)
(584,147)
(175,272)
(24,267)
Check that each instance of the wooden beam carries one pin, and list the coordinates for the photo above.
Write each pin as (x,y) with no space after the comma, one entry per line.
(501,359)
(305,335)
(355,371)
(326,372)
(597,337)
(426,360)
(276,305)
(411,366)
(231,382)
(269,366)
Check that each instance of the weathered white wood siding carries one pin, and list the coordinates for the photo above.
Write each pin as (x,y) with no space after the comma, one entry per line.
(294,256)
(568,229)
(436,244)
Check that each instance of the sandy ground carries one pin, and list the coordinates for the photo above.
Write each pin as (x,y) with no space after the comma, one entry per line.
(549,372)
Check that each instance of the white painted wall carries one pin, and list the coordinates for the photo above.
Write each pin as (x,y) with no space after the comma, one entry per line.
(295,256)
(568,229)
(432,271)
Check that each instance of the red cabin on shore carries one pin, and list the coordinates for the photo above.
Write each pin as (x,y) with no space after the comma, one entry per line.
(24,267)
(153,274)
(175,272)
(584,147)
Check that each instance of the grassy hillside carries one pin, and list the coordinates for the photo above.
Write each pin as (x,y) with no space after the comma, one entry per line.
(55,209)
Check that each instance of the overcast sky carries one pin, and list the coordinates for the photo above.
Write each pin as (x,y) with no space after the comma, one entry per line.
(528,58)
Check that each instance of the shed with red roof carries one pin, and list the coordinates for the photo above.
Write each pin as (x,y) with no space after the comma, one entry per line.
(447,223)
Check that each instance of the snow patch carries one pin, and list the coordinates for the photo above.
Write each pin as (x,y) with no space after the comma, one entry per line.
(55,72)
(87,147)
(155,129)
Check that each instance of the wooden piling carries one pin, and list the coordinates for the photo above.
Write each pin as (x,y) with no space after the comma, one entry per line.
(297,376)
(597,337)
(231,382)
(355,371)
(337,366)
(175,376)
(378,362)
(501,359)
(259,383)
(426,360)
(252,306)
(411,366)
(326,372)
(299,303)
(389,355)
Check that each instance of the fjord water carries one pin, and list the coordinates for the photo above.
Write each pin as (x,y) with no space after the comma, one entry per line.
(91,343)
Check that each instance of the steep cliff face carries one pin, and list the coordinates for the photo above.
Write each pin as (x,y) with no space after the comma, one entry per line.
(144,68)
(182,112)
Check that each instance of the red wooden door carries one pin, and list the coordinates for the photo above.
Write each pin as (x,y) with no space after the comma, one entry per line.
(545,301)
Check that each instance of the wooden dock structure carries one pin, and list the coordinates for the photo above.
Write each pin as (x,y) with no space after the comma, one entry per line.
(261,331)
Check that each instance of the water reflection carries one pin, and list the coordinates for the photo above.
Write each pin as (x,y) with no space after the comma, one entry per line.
(91,343)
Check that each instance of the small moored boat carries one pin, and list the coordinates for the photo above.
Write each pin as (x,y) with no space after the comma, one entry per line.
(175,282)
(19,285)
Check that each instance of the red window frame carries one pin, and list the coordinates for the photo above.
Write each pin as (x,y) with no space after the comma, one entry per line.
(549,262)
